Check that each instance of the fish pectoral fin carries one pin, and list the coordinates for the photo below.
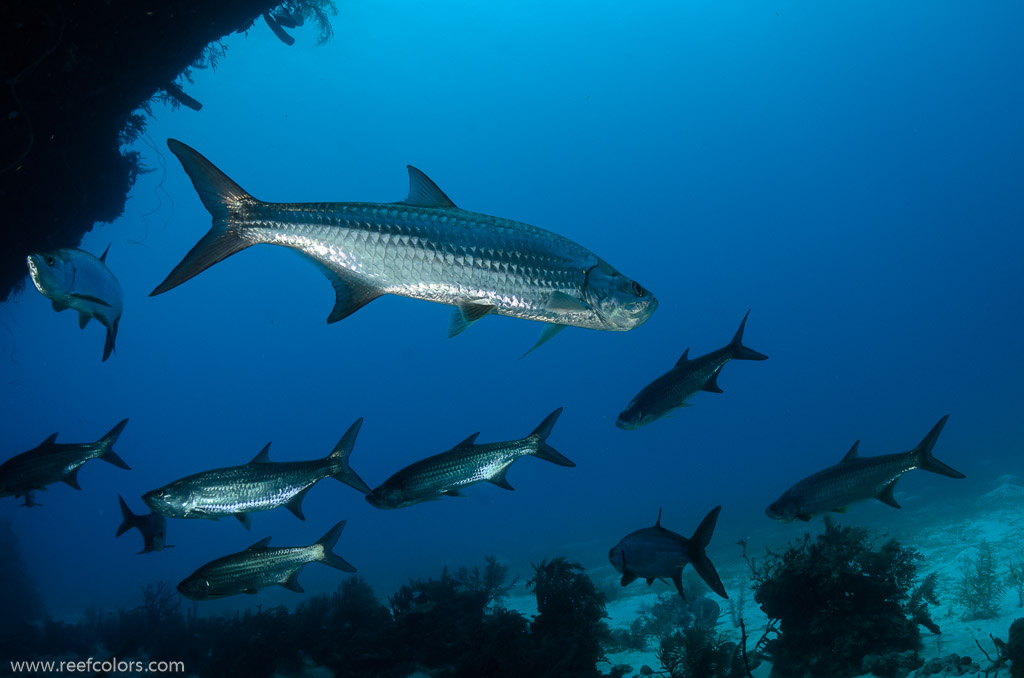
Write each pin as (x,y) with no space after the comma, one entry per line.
(57,306)
(261,544)
(550,331)
(500,480)
(245,520)
(467,312)
(83,320)
(295,503)
(627,578)
(424,193)
(263,457)
(292,583)
(453,493)
(886,496)
(565,303)
(712,383)
(72,479)
(92,298)
(350,292)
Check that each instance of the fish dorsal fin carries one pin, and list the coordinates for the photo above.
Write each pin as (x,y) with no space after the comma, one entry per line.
(468,442)
(886,496)
(712,383)
(852,454)
(103,257)
(657,523)
(263,457)
(423,192)
(683,359)
(261,544)
(49,441)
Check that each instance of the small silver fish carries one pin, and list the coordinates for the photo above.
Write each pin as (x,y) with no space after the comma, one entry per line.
(260,566)
(76,279)
(152,527)
(858,478)
(259,485)
(465,464)
(656,553)
(52,462)
(689,377)
(423,247)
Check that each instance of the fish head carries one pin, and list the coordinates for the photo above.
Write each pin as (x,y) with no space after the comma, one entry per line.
(617,557)
(387,497)
(196,587)
(620,302)
(633,417)
(53,273)
(784,509)
(173,501)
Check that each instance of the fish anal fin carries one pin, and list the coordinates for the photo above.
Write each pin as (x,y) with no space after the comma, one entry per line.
(72,479)
(852,454)
(501,481)
(467,312)
(350,293)
(627,578)
(263,457)
(245,520)
(677,579)
(886,496)
(292,583)
(712,384)
(423,192)
(295,503)
(83,320)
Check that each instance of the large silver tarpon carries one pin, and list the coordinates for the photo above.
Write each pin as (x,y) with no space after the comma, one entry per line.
(423,247)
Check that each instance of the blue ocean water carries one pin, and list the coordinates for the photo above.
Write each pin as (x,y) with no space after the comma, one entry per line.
(850,173)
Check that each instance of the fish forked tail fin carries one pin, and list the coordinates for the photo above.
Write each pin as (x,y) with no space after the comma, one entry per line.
(221,196)
(107,443)
(741,352)
(327,544)
(923,451)
(540,437)
(698,543)
(130,519)
(338,459)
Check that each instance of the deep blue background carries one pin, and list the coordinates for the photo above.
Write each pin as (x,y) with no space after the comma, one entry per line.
(852,173)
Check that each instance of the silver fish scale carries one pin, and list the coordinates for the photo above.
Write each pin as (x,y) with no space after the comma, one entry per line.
(845,483)
(462,467)
(49,466)
(436,254)
(255,568)
(253,487)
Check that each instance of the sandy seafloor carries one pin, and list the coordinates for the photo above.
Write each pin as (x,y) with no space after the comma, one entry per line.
(944,535)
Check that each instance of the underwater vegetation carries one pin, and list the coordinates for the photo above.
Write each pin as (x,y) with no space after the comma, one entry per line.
(450,626)
(980,589)
(834,598)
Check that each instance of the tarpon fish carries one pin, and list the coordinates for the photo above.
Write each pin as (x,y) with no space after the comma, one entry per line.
(856,479)
(152,527)
(423,247)
(657,553)
(689,377)
(468,463)
(52,462)
(260,566)
(259,485)
(78,280)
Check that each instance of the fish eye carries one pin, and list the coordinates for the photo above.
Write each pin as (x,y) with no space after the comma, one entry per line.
(50,260)
(638,289)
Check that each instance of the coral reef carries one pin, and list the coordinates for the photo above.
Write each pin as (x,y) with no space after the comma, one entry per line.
(980,590)
(833,599)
